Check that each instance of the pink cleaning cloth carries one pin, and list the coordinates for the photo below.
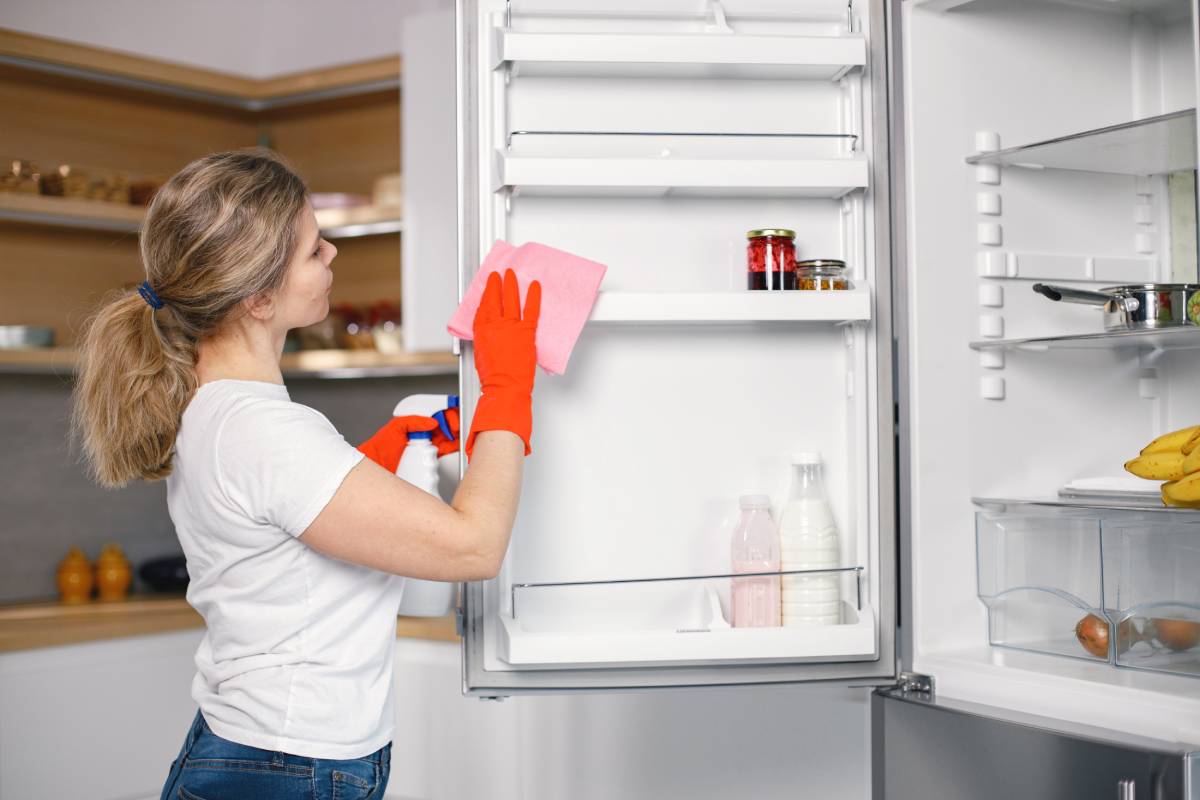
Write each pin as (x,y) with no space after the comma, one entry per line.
(569,288)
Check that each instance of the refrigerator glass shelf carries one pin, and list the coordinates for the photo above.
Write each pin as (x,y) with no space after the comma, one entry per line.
(678,55)
(1151,146)
(1184,337)
(850,305)
(1151,504)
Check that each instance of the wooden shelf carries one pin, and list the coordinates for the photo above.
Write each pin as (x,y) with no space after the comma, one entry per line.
(113,68)
(303,364)
(64,212)
(26,626)
(346,223)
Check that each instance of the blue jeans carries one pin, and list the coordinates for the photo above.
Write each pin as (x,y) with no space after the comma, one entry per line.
(212,768)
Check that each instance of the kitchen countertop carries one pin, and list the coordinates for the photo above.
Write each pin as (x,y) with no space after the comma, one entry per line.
(26,626)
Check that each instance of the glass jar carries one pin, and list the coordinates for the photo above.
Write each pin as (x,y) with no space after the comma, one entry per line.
(822,274)
(771,250)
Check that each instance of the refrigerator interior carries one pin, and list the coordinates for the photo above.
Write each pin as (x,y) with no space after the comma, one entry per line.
(686,390)
(989,418)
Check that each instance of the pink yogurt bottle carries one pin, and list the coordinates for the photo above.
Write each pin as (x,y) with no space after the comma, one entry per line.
(755,548)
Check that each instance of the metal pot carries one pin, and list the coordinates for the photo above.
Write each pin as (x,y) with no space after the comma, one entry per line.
(1137,306)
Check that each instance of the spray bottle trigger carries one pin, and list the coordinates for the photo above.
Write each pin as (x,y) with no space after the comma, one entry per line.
(440,418)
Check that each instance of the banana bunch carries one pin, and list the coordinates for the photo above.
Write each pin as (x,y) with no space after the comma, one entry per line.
(1175,458)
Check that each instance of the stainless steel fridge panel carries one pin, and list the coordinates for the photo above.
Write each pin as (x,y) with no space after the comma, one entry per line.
(924,748)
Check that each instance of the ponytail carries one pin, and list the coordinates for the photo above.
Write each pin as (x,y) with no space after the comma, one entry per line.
(134,380)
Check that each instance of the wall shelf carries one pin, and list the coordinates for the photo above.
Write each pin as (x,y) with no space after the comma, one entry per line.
(744,306)
(679,55)
(595,176)
(1151,146)
(66,212)
(303,364)
(1184,337)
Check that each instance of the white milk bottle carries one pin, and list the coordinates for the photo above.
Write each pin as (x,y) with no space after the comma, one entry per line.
(755,548)
(808,540)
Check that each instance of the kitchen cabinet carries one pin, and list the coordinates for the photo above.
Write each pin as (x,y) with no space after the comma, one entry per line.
(101,720)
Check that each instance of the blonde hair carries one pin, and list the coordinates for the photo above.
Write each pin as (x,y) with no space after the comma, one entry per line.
(221,230)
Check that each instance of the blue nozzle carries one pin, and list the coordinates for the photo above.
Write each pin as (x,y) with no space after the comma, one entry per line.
(416,435)
(440,418)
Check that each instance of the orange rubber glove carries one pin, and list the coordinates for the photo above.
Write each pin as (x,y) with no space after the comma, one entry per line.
(448,444)
(505,358)
(386,447)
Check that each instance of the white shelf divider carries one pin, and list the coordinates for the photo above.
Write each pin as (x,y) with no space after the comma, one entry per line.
(680,55)
(813,177)
(744,306)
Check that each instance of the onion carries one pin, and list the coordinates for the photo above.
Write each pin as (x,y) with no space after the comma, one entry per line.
(1176,634)
(1092,633)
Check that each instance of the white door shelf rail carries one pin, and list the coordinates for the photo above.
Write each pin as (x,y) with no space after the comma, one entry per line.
(746,306)
(704,635)
(679,55)
(592,176)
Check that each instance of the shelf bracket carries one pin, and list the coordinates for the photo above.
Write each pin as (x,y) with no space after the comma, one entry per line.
(715,21)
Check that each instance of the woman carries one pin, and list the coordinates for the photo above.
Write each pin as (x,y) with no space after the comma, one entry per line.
(294,540)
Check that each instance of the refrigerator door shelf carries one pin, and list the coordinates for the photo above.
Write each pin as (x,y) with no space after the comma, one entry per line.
(854,640)
(703,177)
(746,306)
(679,55)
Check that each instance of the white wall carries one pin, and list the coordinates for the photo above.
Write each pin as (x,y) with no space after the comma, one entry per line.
(252,38)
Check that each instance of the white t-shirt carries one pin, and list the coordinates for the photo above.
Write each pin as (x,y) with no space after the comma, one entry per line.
(298,652)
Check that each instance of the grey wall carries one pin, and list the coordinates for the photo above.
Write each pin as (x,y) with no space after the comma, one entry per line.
(47,503)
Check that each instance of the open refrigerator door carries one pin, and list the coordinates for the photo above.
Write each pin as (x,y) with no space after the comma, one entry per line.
(651,137)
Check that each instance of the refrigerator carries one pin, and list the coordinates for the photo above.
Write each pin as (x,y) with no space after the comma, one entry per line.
(953,153)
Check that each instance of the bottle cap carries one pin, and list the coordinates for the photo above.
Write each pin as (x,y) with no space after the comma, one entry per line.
(806,457)
(754,501)
(415,435)
(452,401)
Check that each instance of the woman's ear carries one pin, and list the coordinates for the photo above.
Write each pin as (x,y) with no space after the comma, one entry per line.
(260,306)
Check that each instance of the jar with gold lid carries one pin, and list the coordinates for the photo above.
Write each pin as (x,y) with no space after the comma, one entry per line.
(822,274)
(771,259)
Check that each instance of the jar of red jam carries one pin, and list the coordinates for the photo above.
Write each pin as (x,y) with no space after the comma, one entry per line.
(773,251)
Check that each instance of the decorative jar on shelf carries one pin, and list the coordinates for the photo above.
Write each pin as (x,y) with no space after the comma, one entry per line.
(75,577)
(113,574)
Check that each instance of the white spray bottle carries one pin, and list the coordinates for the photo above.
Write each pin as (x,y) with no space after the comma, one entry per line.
(421,467)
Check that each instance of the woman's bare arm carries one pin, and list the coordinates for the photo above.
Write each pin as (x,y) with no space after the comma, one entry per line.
(381,521)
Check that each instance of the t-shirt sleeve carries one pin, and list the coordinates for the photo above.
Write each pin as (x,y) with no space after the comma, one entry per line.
(282,462)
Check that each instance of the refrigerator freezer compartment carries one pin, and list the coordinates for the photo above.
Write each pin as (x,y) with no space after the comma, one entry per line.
(1152,586)
(1039,575)
(671,620)
(745,306)
(679,55)
(653,164)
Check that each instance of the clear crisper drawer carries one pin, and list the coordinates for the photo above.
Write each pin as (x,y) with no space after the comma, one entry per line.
(1152,590)
(1040,574)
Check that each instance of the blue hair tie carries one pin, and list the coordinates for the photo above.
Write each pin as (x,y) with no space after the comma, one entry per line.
(149,296)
